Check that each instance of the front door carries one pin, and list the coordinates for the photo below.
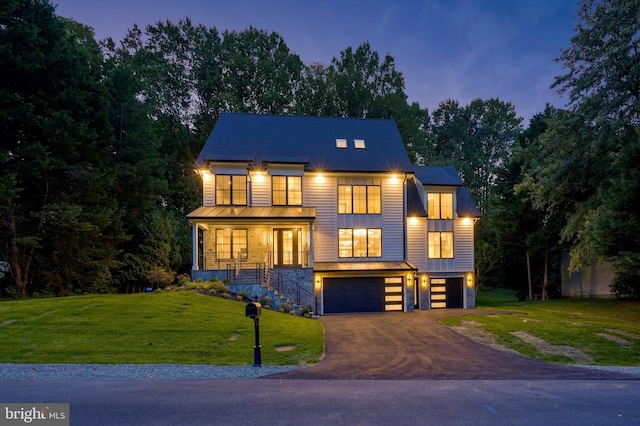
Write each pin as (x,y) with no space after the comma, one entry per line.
(287,247)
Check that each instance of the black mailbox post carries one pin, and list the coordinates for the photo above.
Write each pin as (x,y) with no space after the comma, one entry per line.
(254,310)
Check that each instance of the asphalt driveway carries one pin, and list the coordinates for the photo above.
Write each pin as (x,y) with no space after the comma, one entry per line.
(416,346)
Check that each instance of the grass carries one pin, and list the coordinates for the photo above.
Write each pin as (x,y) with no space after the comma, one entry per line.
(154,328)
(583,324)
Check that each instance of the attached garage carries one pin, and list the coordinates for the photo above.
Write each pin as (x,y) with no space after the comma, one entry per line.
(353,295)
(447,293)
(363,294)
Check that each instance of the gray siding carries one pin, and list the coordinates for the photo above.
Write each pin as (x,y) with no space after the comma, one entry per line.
(260,189)
(417,242)
(208,189)
(393,214)
(321,192)
(464,252)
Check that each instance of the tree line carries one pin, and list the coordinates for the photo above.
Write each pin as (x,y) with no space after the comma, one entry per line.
(98,141)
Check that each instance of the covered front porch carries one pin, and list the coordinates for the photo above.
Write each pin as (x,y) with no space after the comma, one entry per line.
(233,238)
(276,236)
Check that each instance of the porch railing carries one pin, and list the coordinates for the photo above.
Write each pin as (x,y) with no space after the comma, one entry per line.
(211,261)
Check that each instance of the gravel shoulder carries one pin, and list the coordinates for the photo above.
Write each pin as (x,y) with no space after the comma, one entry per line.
(123,372)
(26,372)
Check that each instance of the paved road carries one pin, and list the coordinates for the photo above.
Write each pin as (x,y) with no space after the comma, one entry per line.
(338,402)
(416,346)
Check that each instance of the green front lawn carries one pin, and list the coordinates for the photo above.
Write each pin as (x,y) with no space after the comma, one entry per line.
(156,328)
(605,330)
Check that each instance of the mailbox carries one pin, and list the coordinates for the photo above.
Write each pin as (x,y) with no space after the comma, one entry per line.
(253,310)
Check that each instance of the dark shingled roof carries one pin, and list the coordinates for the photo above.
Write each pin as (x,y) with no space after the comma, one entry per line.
(466,206)
(307,140)
(438,175)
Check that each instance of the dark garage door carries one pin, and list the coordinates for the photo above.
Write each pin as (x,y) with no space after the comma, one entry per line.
(446,293)
(353,295)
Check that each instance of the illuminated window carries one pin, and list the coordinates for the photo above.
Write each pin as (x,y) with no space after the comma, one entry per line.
(440,245)
(359,199)
(359,242)
(440,205)
(231,190)
(231,243)
(345,242)
(286,190)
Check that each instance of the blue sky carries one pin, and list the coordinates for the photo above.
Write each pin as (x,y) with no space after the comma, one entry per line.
(458,49)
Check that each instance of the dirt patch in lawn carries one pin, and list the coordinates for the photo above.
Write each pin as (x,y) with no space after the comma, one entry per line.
(474,331)
(284,348)
(623,333)
(615,339)
(549,349)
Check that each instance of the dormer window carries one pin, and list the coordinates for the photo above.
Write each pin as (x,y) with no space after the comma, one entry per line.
(341,143)
(440,205)
(359,143)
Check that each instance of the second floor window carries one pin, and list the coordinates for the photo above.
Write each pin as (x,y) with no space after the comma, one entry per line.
(286,190)
(359,199)
(231,190)
(440,205)
(440,245)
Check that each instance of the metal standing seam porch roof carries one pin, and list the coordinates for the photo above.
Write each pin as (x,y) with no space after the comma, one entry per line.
(376,266)
(247,213)
(261,139)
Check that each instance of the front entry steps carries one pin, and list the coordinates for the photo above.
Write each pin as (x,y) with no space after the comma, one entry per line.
(248,282)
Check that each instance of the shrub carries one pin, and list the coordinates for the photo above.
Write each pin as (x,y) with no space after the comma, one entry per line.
(626,285)
(285,307)
(159,277)
(265,302)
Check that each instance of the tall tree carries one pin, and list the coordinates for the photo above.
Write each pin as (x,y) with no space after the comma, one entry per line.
(476,139)
(58,222)
(365,85)
(602,80)
(259,72)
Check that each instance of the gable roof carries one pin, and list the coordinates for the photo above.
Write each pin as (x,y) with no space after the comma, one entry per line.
(466,207)
(438,175)
(311,141)
(448,176)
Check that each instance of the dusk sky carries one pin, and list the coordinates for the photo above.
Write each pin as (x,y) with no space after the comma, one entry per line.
(458,49)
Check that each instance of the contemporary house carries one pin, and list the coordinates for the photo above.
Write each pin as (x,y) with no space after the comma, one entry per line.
(330,213)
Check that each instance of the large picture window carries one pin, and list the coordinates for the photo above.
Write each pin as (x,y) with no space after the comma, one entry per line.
(359,199)
(231,190)
(360,242)
(286,190)
(231,243)
(440,245)
(440,205)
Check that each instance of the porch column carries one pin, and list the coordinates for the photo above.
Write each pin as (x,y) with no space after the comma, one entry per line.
(194,246)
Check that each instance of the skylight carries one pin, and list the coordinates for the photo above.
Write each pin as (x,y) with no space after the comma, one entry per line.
(341,143)
(359,143)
